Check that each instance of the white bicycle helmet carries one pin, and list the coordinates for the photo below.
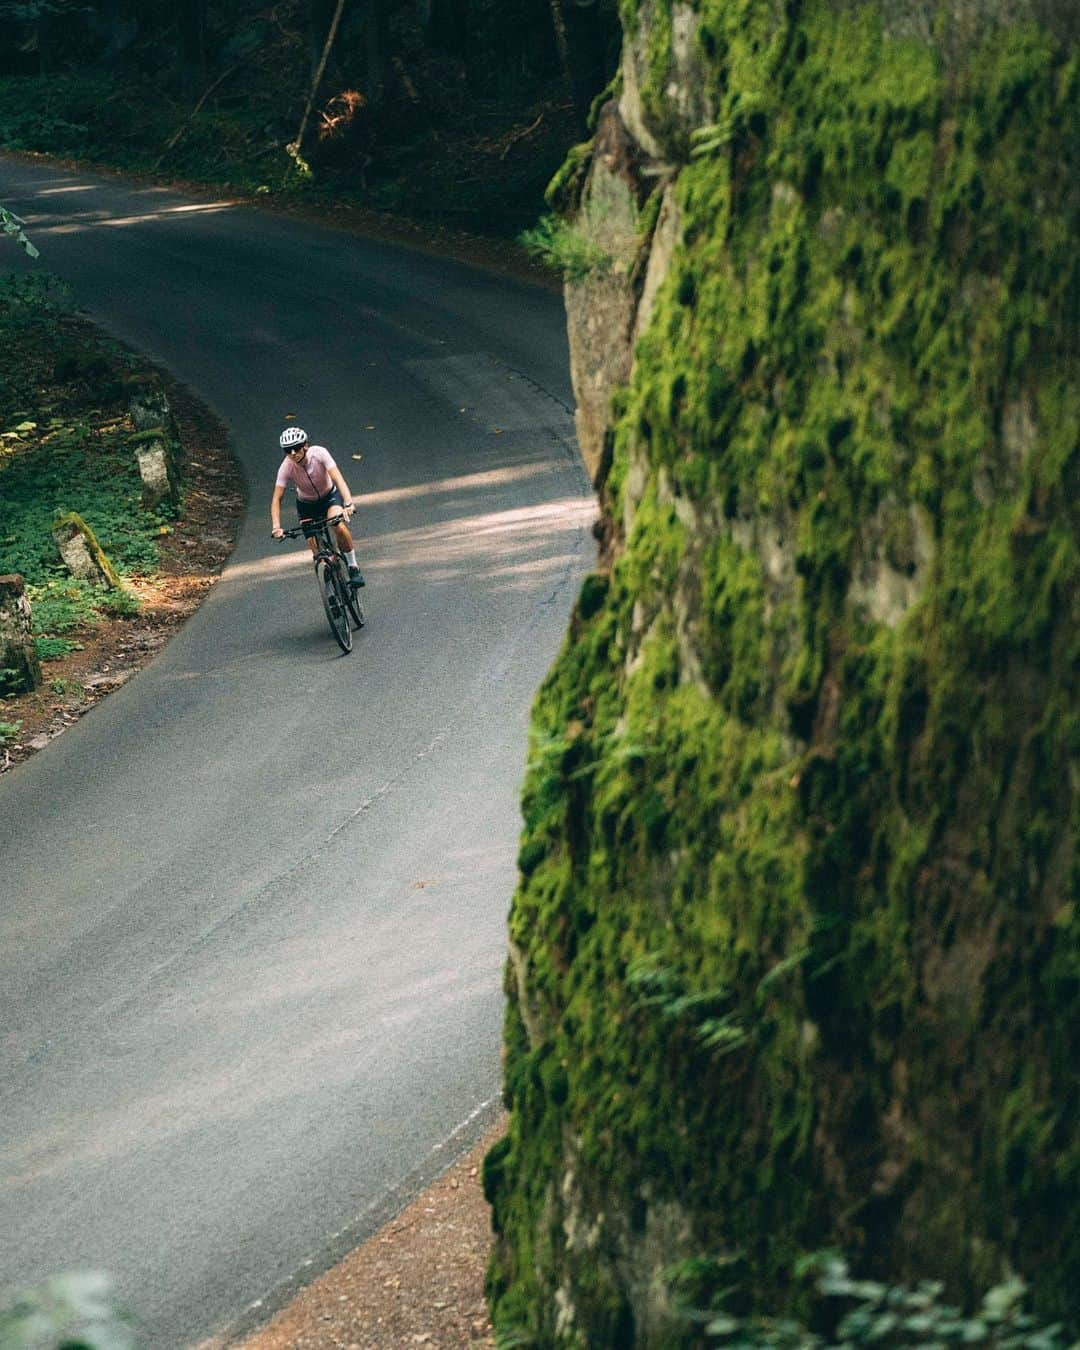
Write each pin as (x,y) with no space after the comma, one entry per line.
(292,437)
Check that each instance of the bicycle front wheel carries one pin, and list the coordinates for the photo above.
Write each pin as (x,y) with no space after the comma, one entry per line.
(356,609)
(332,588)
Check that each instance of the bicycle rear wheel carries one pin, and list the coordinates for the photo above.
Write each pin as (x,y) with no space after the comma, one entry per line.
(332,589)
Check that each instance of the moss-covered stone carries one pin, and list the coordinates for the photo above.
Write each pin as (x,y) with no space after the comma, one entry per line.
(82,554)
(796,942)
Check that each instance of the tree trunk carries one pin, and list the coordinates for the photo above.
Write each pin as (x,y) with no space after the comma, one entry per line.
(375,52)
(193,43)
(320,18)
(562,44)
(320,68)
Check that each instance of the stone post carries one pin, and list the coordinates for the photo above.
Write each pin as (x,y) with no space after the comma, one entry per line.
(157,469)
(20,669)
(82,554)
(156,442)
(148,406)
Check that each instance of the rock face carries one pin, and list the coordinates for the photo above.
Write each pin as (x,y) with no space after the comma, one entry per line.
(795,954)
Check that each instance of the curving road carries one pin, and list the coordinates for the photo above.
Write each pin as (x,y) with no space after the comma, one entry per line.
(252,907)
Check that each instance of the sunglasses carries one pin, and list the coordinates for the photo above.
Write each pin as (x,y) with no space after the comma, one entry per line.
(298,449)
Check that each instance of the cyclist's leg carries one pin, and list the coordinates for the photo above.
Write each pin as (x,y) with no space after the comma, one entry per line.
(307,511)
(344,539)
(345,544)
(336,516)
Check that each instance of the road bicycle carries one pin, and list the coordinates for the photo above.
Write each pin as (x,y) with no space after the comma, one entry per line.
(340,600)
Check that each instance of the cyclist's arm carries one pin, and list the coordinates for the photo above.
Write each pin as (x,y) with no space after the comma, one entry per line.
(275,508)
(341,485)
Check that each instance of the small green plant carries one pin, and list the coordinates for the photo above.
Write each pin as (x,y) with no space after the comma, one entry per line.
(53,648)
(76,1311)
(9,730)
(742,112)
(122,603)
(870,1312)
(512,1339)
(716,1026)
(563,247)
(709,139)
(61,605)
(12,225)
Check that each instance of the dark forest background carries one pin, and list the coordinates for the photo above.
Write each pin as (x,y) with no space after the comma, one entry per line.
(451,110)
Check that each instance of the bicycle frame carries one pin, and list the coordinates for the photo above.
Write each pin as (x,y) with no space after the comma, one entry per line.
(326,550)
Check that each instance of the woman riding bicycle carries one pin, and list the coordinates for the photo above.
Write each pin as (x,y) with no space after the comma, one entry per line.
(321,492)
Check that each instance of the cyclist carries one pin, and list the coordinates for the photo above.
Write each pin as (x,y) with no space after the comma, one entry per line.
(321,492)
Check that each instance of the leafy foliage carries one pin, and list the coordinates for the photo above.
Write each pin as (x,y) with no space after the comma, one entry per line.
(871,1312)
(565,249)
(12,225)
(714,1024)
(455,111)
(75,1311)
(8,730)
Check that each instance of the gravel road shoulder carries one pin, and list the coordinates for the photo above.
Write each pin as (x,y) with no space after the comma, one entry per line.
(419,1281)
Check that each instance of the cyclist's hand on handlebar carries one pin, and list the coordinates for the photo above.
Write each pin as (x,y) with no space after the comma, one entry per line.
(348,508)
(277,532)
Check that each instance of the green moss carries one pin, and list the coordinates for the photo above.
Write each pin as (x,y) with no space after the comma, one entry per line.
(564,191)
(752,774)
(611,90)
(72,520)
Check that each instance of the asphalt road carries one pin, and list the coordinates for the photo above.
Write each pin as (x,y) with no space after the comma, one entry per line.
(252,906)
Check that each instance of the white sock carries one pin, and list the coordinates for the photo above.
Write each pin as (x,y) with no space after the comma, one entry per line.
(350,558)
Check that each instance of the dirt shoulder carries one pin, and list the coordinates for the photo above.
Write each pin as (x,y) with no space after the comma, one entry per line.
(418,1281)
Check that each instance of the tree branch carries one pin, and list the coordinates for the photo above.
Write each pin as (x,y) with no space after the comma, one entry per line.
(182,128)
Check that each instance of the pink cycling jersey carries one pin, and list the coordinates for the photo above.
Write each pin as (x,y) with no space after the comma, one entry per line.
(311,477)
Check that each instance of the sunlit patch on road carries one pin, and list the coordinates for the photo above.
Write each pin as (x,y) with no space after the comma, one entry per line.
(43,223)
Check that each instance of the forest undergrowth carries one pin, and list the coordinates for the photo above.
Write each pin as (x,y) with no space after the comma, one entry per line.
(463,128)
(68,444)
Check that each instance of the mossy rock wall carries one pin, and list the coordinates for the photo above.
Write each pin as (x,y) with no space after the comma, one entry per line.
(795,954)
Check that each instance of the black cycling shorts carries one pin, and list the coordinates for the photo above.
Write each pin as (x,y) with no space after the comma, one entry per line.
(316,510)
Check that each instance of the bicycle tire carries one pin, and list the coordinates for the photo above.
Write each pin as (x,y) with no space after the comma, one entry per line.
(331,588)
(349,601)
(356,609)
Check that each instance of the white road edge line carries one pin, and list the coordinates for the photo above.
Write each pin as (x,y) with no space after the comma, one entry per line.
(458,1129)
